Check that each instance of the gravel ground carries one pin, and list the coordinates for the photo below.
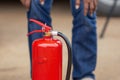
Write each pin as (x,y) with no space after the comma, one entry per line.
(14,57)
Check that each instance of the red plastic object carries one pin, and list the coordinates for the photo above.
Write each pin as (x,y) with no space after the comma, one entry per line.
(47,59)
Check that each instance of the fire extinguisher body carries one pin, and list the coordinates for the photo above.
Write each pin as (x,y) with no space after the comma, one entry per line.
(47,59)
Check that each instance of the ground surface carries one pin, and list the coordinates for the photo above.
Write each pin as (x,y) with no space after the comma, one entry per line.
(14,57)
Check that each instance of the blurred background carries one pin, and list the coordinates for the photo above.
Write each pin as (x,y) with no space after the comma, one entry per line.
(14,55)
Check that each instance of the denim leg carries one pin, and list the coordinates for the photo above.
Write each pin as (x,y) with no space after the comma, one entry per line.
(84,42)
(41,13)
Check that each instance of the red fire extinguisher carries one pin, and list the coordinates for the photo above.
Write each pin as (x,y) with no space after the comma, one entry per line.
(47,55)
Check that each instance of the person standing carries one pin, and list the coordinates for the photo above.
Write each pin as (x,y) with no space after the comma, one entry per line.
(84,37)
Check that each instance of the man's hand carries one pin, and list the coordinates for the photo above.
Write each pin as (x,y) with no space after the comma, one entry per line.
(26,3)
(89,5)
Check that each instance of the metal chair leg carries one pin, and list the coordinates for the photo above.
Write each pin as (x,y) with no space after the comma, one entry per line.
(108,19)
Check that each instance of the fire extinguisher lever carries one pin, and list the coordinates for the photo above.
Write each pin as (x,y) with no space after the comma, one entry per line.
(44,26)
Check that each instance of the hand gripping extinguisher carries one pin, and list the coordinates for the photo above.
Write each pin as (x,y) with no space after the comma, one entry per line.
(47,55)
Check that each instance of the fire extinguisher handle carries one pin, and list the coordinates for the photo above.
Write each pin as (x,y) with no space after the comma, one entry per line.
(45,28)
(35,31)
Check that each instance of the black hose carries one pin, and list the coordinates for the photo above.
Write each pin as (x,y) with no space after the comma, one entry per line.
(69,55)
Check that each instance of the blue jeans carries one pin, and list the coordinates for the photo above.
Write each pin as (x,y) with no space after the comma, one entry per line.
(84,38)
